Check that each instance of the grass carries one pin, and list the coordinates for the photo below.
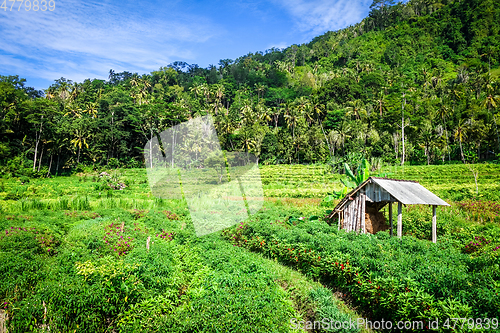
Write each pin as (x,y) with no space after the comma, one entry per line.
(177,281)
(74,211)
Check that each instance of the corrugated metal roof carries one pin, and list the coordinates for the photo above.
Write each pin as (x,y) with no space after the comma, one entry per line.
(409,193)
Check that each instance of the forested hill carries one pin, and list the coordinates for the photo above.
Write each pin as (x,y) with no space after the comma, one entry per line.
(429,66)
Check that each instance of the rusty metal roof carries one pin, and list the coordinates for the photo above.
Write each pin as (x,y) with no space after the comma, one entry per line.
(409,192)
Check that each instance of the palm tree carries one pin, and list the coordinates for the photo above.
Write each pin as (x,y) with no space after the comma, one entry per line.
(134,81)
(246,116)
(275,114)
(76,89)
(50,93)
(344,133)
(74,110)
(428,137)
(492,100)
(206,91)
(443,112)
(63,89)
(461,134)
(260,88)
(219,92)
(292,119)
(79,140)
(354,108)
(381,101)
(91,109)
(225,126)
(263,113)
(248,142)
(335,141)
(196,90)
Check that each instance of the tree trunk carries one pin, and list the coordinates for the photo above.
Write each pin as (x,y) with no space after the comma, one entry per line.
(461,151)
(326,139)
(112,134)
(50,165)
(496,129)
(37,141)
(40,161)
(403,130)
(36,150)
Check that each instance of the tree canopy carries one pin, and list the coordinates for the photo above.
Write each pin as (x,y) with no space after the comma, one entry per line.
(429,67)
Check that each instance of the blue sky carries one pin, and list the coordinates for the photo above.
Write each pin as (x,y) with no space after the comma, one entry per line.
(85,39)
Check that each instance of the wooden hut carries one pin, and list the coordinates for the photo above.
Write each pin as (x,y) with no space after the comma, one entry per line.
(360,209)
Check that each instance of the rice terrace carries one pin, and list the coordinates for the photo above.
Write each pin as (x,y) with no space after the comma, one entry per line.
(349,183)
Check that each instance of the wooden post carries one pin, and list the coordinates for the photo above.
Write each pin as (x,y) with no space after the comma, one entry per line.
(345,225)
(434,225)
(400,219)
(351,216)
(390,216)
(363,209)
(339,219)
(358,221)
(356,214)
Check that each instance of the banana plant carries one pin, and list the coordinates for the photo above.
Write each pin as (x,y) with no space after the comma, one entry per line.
(351,181)
(362,174)
(336,194)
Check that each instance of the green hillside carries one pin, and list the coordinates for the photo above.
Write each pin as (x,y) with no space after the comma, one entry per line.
(430,65)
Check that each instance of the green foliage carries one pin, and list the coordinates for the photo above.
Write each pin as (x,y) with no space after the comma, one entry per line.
(60,268)
(338,96)
(408,279)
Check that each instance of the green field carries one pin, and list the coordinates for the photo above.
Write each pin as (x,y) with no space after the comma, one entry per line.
(79,256)
(453,182)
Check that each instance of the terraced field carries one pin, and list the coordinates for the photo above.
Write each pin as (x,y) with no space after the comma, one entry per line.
(453,182)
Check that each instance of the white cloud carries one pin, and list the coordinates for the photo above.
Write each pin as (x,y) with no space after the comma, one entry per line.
(318,16)
(280,45)
(82,39)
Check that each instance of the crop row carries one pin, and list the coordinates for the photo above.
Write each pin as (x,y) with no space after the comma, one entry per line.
(392,279)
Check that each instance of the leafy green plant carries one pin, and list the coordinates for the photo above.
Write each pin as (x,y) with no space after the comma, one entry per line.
(362,174)
(372,270)
(110,182)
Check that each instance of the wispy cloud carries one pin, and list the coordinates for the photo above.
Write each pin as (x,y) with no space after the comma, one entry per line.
(318,16)
(82,39)
(280,45)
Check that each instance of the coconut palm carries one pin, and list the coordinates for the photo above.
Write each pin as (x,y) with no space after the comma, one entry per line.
(492,101)
(292,119)
(443,112)
(246,116)
(79,140)
(381,102)
(218,92)
(259,88)
(354,108)
(461,134)
(91,109)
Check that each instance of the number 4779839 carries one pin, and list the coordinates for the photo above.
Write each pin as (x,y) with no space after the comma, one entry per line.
(34,5)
